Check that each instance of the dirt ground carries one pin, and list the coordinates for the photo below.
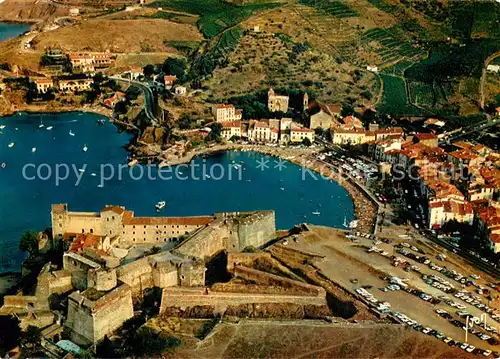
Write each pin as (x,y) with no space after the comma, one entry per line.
(346,260)
(307,338)
(128,36)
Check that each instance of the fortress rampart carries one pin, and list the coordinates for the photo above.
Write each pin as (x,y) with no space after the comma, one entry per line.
(189,297)
(91,317)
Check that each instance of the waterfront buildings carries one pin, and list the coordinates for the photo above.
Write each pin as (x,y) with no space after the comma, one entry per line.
(44,84)
(226,113)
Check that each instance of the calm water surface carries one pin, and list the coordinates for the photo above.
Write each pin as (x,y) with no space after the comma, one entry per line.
(8,31)
(25,203)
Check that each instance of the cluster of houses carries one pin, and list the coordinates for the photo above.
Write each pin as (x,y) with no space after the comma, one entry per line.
(65,85)
(89,62)
(282,131)
(460,183)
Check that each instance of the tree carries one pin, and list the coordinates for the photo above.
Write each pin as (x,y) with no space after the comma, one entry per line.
(148,70)
(30,339)
(29,243)
(306,142)
(185,122)
(175,66)
(216,130)
(9,333)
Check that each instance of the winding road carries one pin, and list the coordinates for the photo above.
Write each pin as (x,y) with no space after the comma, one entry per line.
(151,106)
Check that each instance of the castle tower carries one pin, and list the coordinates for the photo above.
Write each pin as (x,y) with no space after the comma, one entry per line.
(59,216)
(305,102)
(270,94)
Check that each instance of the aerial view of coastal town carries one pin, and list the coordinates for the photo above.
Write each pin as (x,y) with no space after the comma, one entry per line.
(249,179)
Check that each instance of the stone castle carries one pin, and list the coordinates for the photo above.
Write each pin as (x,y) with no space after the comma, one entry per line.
(106,284)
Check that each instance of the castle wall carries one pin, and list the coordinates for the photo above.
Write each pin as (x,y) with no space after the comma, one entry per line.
(165,277)
(189,297)
(192,274)
(138,275)
(274,280)
(101,280)
(256,230)
(206,243)
(89,321)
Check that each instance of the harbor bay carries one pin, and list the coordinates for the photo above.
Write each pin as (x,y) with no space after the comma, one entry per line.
(41,142)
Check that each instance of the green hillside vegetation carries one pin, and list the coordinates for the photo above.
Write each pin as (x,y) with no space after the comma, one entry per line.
(394,99)
(334,8)
(215,15)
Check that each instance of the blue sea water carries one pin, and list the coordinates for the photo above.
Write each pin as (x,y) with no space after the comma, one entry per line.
(25,202)
(8,31)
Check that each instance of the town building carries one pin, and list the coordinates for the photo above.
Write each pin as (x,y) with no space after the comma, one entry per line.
(427,139)
(298,134)
(259,131)
(277,103)
(231,129)
(82,62)
(226,113)
(74,11)
(169,81)
(43,85)
(372,68)
(324,115)
(180,90)
(73,85)
(447,203)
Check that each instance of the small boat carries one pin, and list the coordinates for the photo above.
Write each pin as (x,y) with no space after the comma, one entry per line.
(49,128)
(41,125)
(11,144)
(159,206)
(133,163)
(237,166)
(207,176)
(345,224)
(33,149)
(353,224)
(17,129)
(71,133)
(2,127)
(100,186)
(93,174)
(81,170)
(85,148)
(282,188)
(316,213)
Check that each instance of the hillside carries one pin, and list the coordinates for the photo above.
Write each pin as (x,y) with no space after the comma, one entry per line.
(141,35)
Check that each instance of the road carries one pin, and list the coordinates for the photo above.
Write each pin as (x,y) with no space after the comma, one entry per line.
(483,77)
(150,105)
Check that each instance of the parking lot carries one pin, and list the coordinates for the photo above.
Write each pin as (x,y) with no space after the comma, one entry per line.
(421,301)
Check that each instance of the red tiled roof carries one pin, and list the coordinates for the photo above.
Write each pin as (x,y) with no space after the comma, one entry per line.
(231,124)
(224,105)
(169,78)
(426,136)
(129,219)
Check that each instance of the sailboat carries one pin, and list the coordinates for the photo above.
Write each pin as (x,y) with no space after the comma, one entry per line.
(85,148)
(11,144)
(33,149)
(41,124)
(49,128)
(159,206)
(317,213)
(345,224)
(2,127)
(71,133)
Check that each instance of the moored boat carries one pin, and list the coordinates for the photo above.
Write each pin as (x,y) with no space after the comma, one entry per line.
(159,206)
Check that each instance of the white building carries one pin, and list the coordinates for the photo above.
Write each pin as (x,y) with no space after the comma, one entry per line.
(231,129)
(299,134)
(43,85)
(226,113)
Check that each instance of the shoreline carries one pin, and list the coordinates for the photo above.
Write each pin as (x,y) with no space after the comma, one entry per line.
(38,111)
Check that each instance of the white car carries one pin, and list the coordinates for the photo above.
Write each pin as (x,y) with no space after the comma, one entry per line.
(426,330)
(464,346)
(470,349)
(487,352)
(447,340)
(475,276)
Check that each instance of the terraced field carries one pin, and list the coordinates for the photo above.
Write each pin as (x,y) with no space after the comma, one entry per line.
(390,47)
(333,8)
(215,15)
